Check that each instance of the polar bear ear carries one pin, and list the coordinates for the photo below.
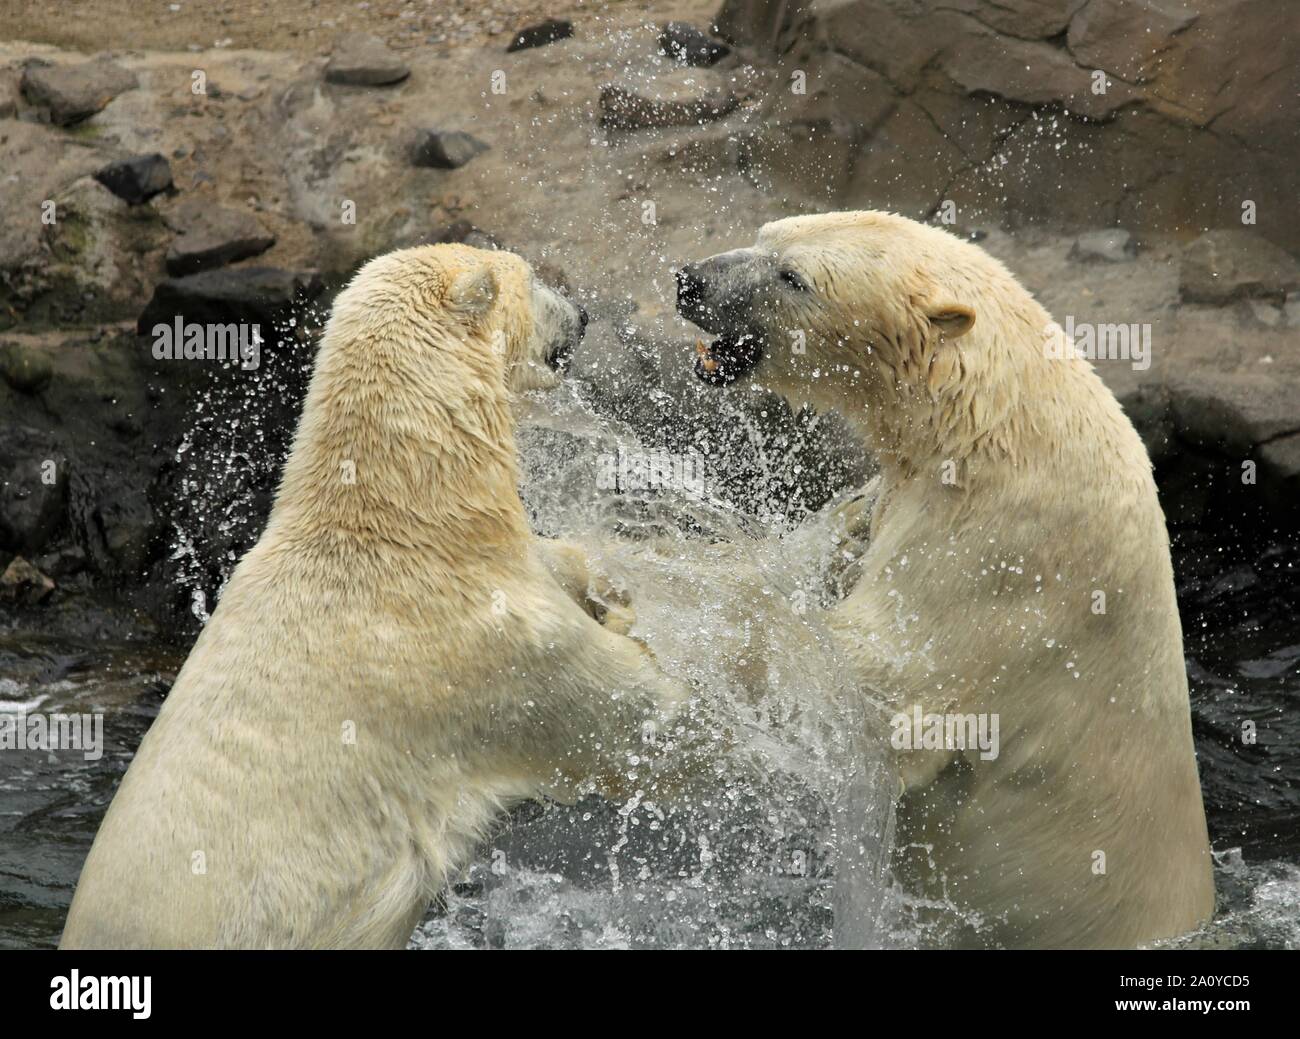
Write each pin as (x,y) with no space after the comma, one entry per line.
(951,320)
(474,291)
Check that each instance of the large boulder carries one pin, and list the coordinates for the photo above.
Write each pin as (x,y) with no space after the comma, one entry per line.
(1223,266)
(67,94)
(91,263)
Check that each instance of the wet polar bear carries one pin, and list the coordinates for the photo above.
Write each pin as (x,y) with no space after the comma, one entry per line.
(1018,566)
(393,662)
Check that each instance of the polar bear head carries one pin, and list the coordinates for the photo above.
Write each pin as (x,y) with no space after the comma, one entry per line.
(922,339)
(459,300)
(818,292)
(409,413)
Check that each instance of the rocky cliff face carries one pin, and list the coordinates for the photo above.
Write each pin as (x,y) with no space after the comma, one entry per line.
(1157,115)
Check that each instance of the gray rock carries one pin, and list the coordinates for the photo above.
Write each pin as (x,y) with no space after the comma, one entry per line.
(682,42)
(1267,314)
(549,31)
(1110,246)
(1283,454)
(1125,38)
(72,93)
(24,369)
(213,236)
(1291,309)
(1031,72)
(365,61)
(23,583)
(445,149)
(137,179)
(257,295)
(1223,266)
(622,109)
(31,509)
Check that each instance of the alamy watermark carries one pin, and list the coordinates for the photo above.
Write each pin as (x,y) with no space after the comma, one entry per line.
(655,469)
(238,343)
(50,732)
(1131,342)
(920,731)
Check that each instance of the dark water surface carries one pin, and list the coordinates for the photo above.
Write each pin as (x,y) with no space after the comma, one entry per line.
(1242,629)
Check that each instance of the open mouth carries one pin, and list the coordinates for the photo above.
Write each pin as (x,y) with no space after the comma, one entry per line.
(559,359)
(728,357)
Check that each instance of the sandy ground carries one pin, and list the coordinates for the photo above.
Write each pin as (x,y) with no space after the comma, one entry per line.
(304,26)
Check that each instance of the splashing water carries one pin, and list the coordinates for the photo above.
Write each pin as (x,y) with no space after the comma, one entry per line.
(787,839)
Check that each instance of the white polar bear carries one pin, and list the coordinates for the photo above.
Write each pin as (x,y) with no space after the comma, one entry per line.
(392,663)
(1018,572)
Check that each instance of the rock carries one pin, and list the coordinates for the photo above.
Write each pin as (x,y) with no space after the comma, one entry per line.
(622,109)
(1223,266)
(683,42)
(23,583)
(1030,72)
(1267,314)
(1283,454)
(1110,246)
(1232,412)
(365,61)
(213,236)
(72,93)
(92,265)
(445,149)
(64,561)
(888,168)
(24,369)
(257,295)
(1193,109)
(540,35)
(1126,38)
(137,179)
(33,489)
(1029,19)
(1291,309)
(806,158)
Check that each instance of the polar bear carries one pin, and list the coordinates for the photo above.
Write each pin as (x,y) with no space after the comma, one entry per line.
(393,662)
(1017,576)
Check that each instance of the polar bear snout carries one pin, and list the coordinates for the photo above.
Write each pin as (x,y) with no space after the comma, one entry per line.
(718,293)
(558,326)
(563,352)
(725,295)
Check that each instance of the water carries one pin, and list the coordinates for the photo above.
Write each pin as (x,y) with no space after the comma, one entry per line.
(784,845)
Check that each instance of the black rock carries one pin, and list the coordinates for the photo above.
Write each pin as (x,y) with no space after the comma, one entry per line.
(540,35)
(446,149)
(682,42)
(137,179)
(257,295)
(33,489)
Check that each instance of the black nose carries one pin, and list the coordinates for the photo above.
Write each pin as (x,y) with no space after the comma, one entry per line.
(690,289)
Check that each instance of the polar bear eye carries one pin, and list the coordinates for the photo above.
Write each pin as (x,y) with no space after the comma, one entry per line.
(792,279)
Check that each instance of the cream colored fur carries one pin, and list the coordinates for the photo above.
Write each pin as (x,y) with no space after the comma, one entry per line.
(977,595)
(392,664)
